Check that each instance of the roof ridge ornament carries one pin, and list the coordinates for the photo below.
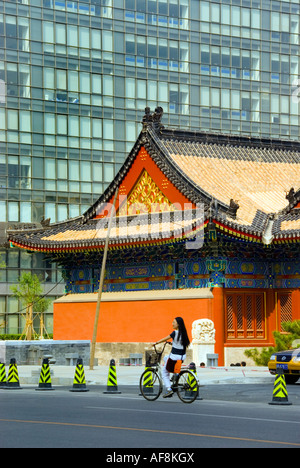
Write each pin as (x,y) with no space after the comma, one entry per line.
(293,198)
(233,208)
(45,222)
(268,236)
(153,120)
(290,196)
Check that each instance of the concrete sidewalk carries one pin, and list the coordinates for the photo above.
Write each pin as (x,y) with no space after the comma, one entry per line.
(130,375)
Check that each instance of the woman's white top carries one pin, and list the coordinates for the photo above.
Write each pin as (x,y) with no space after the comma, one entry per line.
(178,350)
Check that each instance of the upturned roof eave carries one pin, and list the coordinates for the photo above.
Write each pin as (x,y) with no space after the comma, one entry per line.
(228,227)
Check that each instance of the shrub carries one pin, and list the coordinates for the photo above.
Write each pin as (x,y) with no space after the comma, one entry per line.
(11,336)
(283,341)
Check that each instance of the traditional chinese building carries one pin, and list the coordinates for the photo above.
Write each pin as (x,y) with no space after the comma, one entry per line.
(205,226)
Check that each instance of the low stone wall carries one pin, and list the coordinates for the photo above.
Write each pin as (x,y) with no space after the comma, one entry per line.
(236,355)
(107,351)
(66,352)
(32,352)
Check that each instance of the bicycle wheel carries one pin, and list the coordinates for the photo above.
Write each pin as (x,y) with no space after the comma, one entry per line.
(150,384)
(187,386)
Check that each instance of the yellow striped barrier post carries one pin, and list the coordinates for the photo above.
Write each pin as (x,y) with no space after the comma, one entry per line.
(79,383)
(2,375)
(280,394)
(112,384)
(192,382)
(147,382)
(13,382)
(45,376)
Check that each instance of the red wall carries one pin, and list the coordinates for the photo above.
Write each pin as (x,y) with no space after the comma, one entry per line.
(128,321)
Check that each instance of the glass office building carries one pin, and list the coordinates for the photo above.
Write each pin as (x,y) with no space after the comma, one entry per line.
(76,76)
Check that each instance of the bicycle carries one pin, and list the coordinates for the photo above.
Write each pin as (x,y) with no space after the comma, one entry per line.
(185,383)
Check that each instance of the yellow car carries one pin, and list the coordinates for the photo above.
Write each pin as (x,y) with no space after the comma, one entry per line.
(289,361)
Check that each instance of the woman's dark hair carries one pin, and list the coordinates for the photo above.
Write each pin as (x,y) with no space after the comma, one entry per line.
(182,333)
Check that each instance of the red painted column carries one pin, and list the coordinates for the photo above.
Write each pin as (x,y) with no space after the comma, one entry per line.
(296,304)
(219,321)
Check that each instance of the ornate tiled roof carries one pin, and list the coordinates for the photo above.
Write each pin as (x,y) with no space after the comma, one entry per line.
(248,187)
(261,178)
(126,231)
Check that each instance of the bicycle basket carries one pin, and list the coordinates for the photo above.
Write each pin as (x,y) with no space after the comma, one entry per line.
(152,358)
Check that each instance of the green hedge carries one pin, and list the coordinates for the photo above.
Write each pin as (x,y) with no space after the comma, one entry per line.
(7,337)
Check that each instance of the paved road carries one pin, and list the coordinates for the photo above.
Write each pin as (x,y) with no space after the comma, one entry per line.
(228,416)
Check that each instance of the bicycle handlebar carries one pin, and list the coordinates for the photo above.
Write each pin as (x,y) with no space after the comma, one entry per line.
(167,342)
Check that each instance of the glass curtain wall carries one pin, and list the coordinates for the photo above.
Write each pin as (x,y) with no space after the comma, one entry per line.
(76,76)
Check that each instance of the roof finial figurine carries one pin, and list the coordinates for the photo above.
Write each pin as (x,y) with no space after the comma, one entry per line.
(233,207)
(147,119)
(153,119)
(290,196)
(158,113)
(45,222)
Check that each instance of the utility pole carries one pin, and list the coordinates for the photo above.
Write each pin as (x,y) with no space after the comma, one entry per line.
(92,357)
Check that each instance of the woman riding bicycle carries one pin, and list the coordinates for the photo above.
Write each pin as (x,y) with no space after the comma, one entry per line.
(178,353)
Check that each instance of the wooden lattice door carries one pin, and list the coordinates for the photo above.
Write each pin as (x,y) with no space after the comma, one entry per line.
(284,307)
(245,315)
